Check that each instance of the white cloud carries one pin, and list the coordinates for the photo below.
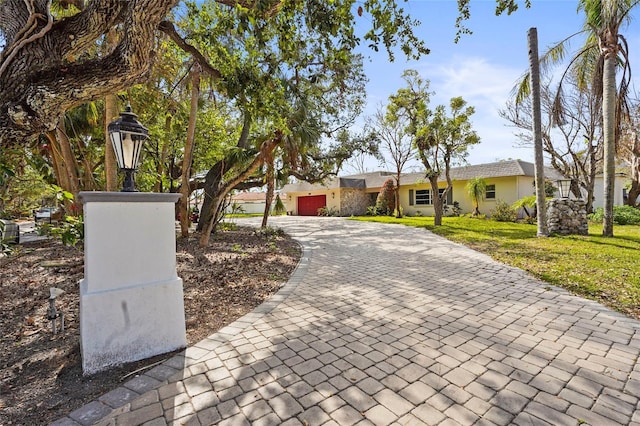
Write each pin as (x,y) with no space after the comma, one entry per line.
(487,87)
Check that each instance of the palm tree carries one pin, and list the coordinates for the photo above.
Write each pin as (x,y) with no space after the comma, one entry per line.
(476,189)
(537,132)
(605,50)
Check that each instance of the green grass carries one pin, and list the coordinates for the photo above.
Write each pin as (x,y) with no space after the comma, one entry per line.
(604,269)
(235,215)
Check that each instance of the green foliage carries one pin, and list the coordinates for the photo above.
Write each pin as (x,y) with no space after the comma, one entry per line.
(24,192)
(503,212)
(278,207)
(476,189)
(70,231)
(328,211)
(385,202)
(227,226)
(372,211)
(527,204)
(270,232)
(550,188)
(622,215)
(455,209)
(236,208)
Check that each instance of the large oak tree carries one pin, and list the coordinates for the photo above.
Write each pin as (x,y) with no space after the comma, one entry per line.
(49,64)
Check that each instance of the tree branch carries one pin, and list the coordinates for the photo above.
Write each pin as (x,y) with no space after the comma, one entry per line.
(169,29)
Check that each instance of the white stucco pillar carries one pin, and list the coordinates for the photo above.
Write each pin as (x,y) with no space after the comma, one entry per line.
(131,300)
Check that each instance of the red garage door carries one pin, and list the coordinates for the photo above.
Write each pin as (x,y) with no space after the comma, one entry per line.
(308,206)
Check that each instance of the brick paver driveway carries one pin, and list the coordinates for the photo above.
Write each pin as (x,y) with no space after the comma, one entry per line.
(385,324)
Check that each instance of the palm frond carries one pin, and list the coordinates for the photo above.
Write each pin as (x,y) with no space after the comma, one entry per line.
(522,89)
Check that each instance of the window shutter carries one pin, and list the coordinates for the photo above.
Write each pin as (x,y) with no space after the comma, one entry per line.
(411,197)
(450,197)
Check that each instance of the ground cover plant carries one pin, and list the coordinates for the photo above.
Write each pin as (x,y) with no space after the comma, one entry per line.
(40,373)
(606,269)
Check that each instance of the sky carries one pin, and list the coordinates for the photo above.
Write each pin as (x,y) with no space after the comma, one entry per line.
(482,67)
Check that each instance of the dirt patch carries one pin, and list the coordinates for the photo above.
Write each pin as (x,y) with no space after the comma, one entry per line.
(41,373)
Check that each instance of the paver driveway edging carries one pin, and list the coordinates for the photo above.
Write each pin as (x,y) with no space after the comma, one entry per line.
(113,403)
(385,324)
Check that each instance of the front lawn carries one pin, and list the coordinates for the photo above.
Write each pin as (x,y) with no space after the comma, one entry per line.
(605,269)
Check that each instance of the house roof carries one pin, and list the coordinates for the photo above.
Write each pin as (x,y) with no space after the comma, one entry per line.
(249,196)
(359,181)
(487,171)
(376,179)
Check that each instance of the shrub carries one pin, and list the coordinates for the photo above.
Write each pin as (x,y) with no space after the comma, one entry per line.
(385,203)
(326,211)
(70,230)
(453,211)
(279,208)
(503,212)
(622,215)
(372,211)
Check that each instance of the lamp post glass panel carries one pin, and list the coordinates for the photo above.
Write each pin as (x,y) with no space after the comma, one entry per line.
(563,187)
(127,136)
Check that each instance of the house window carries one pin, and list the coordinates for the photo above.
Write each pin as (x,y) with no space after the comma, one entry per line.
(490,192)
(423,197)
(449,199)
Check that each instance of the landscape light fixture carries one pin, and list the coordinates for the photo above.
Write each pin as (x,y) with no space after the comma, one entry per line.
(564,185)
(127,136)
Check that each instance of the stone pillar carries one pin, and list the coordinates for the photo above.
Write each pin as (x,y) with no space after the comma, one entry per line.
(566,216)
(131,300)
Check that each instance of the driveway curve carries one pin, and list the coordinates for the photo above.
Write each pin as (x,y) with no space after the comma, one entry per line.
(386,324)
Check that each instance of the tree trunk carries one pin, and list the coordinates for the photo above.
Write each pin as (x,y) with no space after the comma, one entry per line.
(70,164)
(437,202)
(27,110)
(110,114)
(212,184)
(609,119)
(87,181)
(188,151)
(56,160)
(537,132)
(223,189)
(396,196)
(110,164)
(271,183)
(634,191)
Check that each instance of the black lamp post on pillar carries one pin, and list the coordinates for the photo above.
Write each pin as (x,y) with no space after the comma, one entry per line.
(127,136)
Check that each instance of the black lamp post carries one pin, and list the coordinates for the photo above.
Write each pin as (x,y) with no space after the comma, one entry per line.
(564,186)
(127,136)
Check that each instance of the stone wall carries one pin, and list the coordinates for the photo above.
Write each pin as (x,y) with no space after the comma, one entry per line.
(353,202)
(566,216)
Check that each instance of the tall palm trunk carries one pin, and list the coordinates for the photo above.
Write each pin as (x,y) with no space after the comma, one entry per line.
(609,120)
(188,151)
(537,132)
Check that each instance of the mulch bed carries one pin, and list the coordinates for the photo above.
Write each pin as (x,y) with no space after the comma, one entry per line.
(41,373)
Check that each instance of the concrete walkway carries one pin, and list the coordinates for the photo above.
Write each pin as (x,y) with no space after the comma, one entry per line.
(386,324)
